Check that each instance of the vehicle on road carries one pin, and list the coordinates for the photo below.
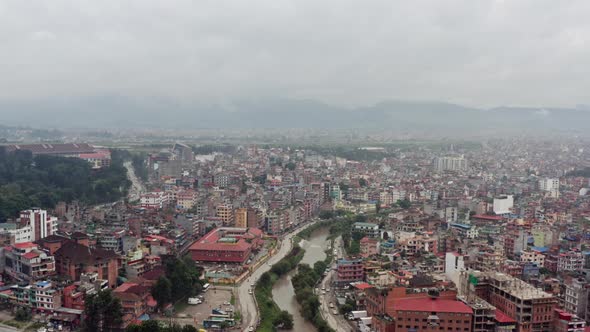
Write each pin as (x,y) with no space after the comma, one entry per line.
(335,312)
(194,300)
(250,291)
(251,328)
(323,292)
(226,303)
(328,289)
(331,305)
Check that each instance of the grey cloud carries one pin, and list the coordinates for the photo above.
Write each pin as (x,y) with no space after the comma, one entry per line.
(345,52)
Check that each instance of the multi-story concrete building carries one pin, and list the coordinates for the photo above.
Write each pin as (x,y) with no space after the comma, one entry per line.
(576,296)
(40,295)
(186,199)
(154,200)
(550,185)
(530,307)
(570,261)
(111,240)
(425,314)
(456,163)
(221,180)
(567,322)
(26,262)
(369,246)
(32,225)
(503,204)
(349,271)
(241,217)
(368,229)
(533,256)
(226,213)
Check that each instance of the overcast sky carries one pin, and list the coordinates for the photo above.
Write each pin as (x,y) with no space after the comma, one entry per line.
(479,53)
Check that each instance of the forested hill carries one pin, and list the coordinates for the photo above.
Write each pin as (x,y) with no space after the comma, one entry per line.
(41,181)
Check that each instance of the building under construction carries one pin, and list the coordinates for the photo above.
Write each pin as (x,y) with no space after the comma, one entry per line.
(531,308)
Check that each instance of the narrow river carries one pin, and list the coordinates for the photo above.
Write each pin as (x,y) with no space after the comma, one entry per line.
(283,292)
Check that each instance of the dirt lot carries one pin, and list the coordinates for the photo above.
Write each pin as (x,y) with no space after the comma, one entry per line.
(214,298)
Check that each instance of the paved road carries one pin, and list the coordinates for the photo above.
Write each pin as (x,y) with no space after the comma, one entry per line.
(136,185)
(245,300)
(336,322)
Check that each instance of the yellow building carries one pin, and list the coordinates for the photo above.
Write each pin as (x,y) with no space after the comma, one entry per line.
(226,213)
(241,217)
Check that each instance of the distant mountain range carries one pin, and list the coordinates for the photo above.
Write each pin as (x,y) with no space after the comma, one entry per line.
(121,112)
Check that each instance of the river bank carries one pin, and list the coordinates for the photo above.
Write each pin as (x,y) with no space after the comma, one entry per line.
(283,291)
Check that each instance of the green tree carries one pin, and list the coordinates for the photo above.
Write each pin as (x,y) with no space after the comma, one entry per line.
(189,328)
(103,312)
(404,203)
(22,315)
(284,320)
(42,180)
(162,291)
(326,214)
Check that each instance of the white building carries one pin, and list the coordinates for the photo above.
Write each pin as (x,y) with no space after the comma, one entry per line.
(503,204)
(534,257)
(454,265)
(451,214)
(20,234)
(550,185)
(33,225)
(442,164)
(570,261)
(154,200)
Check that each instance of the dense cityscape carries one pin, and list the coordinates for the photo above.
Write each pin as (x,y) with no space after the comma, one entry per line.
(410,236)
(294,165)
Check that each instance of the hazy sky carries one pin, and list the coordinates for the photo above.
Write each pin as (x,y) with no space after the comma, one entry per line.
(479,53)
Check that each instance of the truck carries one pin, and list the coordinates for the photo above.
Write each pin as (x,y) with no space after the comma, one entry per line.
(354,315)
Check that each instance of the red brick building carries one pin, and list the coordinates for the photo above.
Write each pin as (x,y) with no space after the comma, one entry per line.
(380,301)
(431,314)
(226,244)
(73,259)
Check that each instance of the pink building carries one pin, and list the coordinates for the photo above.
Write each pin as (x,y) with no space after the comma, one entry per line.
(369,247)
(350,271)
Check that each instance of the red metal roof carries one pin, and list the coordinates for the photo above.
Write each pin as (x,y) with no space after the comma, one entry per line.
(432,305)
(210,240)
(503,318)
(486,217)
(31,254)
(24,245)
(363,286)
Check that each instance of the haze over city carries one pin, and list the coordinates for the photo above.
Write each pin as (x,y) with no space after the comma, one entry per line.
(194,58)
(276,165)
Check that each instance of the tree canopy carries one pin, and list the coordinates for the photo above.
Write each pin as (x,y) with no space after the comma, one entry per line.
(42,181)
(102,311)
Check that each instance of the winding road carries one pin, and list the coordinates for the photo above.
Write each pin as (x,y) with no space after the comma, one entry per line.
(246,301)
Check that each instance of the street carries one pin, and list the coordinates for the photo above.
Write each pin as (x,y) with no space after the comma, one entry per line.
(246,301)
(336,322)
(136,185)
